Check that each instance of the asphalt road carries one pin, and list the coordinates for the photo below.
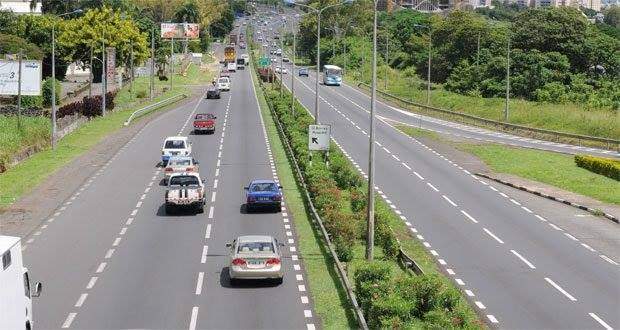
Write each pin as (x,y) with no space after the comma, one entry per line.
(519,269)
(110,258)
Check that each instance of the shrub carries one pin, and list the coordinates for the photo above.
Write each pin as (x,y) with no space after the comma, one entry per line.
(91,106)
(29,102)
(47,92)
(603,166)
(391,311)
(141,94)
(372,281)
(69,109)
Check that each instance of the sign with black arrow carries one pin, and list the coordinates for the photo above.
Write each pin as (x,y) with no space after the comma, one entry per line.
(318,137)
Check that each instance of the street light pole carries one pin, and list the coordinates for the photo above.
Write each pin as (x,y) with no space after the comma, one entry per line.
(318,67)
(428,74)
(370,216)
(387,59)
(293,69)
(104,80)
(507,79)
(152,82)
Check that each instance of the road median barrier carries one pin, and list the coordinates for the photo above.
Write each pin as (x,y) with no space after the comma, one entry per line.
(335,195)
(151,107)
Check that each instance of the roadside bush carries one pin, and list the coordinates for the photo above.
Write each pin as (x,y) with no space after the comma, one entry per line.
(69,109)
(603,166)
(29,102)
(47,92)
(141,94)
(371,283)
(391,311)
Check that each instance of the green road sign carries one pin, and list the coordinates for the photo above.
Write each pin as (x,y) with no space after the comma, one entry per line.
(264,61)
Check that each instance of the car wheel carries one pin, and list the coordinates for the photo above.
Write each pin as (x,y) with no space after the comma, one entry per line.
(201,208)
(234,282)
(279,280)
(168,209)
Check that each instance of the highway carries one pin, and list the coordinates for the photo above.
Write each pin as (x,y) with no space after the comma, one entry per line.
(517,266)
(110,257)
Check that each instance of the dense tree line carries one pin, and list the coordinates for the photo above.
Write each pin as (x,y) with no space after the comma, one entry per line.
(556,54)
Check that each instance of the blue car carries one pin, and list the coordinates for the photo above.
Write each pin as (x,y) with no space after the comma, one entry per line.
(263,193)
(303,72)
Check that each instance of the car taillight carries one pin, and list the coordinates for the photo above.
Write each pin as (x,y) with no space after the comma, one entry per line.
(273,262)
(238,262)
(189,169)
(168,169)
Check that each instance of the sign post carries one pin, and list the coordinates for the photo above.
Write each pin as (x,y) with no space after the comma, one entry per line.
(318,139)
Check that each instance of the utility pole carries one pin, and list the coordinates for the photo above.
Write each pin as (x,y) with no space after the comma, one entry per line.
(281,64)
(293,69)
(428,74)
(370,216)
(19,89)
(90,74)
(152,84)
(104,80)
(318,67)
(387,59)
(478,53)
(131,68)
(53,137)
(507,79)
(171,61)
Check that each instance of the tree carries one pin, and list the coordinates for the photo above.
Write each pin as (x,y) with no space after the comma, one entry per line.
(612,16)
(103,24)
(11,44)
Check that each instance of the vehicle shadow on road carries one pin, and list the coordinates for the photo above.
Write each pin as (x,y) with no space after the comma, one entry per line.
(178,213)
(244,284)
(243,209)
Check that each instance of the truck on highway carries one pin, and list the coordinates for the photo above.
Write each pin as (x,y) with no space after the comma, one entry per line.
(230,54)
(185,190)
(233,38)
(15,292)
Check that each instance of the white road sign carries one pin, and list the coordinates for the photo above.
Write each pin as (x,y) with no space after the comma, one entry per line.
(31,77)
(318,137)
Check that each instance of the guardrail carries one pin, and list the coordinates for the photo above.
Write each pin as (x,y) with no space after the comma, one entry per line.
(316,217)
(609,144)
(154,106)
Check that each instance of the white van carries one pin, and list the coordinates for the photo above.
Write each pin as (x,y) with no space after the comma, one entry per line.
(232,66)
(15,292)
(175,146)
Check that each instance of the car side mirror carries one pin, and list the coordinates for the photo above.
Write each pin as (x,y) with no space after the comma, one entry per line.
(280,244)
(204,180)
(280,187)
(228,245)
(246,188)
(37,290)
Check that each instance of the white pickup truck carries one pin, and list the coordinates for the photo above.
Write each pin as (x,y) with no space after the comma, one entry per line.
(15,292)
(185,190)
(175,146)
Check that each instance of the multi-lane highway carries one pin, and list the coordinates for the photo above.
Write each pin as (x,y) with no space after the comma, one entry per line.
(509,256)
(111,258)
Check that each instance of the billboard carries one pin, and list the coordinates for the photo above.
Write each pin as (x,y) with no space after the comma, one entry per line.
(180,30)
(31,77)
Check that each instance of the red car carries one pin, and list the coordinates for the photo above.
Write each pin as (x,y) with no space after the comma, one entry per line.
(204,122)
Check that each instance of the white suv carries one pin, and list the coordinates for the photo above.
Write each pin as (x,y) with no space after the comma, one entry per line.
(175,146)
(223,83)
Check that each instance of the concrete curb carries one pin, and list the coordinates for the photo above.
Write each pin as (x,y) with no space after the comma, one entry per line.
(563,201)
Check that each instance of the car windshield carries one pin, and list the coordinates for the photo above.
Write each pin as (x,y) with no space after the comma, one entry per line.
(174,144)
(204,116)
(255,247)
(179,162)
(222,80)
(184,180)
(268,186)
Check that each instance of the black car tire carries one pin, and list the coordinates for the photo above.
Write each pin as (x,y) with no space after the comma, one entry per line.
(168,209)
(279,280)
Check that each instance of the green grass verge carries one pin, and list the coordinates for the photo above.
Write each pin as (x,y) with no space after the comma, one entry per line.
(22,178)
(570,118)
(329,297)
(551,168)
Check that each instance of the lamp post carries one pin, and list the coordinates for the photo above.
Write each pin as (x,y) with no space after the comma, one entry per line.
(318,13)
(428,73)
(54,128)
(370,215)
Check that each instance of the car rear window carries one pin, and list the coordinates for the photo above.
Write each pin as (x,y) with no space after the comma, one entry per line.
(255,247)
(175,144)
(263,187)
(184,180)
(180,162)
(222,80)
(203,116)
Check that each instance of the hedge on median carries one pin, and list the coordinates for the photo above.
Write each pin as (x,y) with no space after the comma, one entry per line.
(603,166)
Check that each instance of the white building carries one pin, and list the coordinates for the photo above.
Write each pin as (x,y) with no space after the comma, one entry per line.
(20,6)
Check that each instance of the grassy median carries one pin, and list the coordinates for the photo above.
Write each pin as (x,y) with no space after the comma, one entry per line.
(329,298)
(26,175)
(547,167)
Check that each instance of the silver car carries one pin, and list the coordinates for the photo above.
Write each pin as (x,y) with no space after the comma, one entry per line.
(255,257)
(180,164)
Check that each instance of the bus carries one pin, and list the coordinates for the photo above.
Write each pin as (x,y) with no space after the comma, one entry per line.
(332,75)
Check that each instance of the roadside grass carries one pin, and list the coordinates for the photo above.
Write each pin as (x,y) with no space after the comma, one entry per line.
(35,131)
(329,298)
(22,178)
(569,117)
(547,167)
